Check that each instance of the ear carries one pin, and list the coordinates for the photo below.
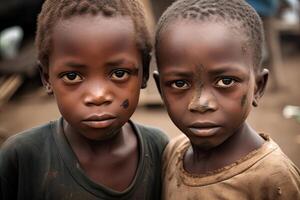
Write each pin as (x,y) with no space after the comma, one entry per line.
(44,74)
(261,83)
(156,79)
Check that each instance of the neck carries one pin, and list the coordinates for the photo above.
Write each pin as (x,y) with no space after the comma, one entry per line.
(198,160)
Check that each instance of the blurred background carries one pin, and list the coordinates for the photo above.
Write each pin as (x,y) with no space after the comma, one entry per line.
(24,103)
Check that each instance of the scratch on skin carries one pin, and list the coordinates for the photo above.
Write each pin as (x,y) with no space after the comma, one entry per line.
(125,104)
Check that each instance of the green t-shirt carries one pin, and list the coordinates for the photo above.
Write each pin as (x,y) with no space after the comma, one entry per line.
(40,164)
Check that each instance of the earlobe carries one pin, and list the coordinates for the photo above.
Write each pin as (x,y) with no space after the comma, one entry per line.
(45,78)
(261,83)
(156,79)
(254,103)
(49,89)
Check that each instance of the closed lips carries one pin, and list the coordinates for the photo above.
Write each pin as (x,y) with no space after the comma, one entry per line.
(203,125)
(204,129)
(99,121)
(102,117)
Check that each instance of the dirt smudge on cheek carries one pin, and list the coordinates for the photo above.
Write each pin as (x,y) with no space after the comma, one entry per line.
(125,104)
(243,100)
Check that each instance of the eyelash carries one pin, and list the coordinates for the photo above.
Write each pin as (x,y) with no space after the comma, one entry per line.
(185,86)
(220,82)
(67,79)
(126,73)
(78,78)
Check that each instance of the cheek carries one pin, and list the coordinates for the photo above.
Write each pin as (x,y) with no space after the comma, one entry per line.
(244,100)
(125,104)
(175,107)
(237,102)
(129,97)
(66,108)
(247,96)
(168,99)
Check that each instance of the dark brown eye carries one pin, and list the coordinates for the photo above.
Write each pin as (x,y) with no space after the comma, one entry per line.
(225,82)
(120,75)
(180,84)
(72,77)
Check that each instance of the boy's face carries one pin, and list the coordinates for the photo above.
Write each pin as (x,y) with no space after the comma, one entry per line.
(95,73)
(206,80)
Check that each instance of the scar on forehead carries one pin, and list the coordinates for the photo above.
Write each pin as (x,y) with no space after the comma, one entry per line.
(243,100)
(125,104)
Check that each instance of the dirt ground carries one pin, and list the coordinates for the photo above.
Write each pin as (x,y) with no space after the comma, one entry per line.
(32,107)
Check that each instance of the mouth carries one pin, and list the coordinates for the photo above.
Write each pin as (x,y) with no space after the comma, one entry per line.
(204,129)
(99,121)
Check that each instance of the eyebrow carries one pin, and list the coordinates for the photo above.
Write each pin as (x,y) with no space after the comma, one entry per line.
(179,74)
(225,69)
(109,63)
(116,62)
(75,65)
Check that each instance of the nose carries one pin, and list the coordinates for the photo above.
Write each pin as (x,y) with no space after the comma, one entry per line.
(98,94)
(203,101)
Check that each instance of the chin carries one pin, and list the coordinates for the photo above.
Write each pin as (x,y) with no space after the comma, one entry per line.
(100,134)
(202,144)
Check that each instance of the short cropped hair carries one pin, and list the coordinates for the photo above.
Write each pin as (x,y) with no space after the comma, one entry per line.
(239,14)
(55,10)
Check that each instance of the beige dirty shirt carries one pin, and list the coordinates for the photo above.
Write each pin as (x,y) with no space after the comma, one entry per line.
(264,174)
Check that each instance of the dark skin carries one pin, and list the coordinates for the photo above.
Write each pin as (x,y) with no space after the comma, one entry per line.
(95,75)
(125,104)
(209,83)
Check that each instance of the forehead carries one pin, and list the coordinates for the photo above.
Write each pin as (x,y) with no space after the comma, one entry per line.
(89,27)
(90,21)
(93,35)
(198,41)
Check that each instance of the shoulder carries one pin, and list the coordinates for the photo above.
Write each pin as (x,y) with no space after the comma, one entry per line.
(152,135)
(172,155)
(176,145)
(23,149)
(277,162)
(278,173)
(31,138)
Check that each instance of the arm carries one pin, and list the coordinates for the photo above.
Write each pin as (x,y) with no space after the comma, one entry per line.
(8,173)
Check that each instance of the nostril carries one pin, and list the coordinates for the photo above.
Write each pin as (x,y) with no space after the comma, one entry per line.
(202,108)
(98,99)
(197,107)
(97,102)
(202,104)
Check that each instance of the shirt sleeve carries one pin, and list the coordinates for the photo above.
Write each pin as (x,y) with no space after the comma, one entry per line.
(283,181)
(287,184)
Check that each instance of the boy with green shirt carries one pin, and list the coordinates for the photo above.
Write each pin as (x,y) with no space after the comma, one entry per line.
(94,58)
